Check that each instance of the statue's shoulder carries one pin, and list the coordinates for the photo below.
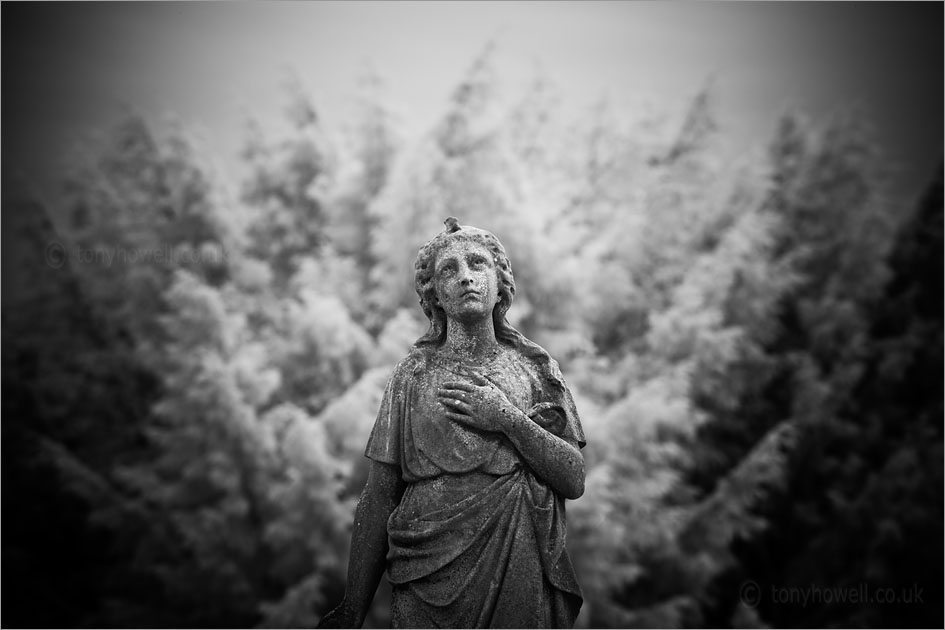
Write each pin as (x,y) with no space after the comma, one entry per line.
(411,365)
(535,356)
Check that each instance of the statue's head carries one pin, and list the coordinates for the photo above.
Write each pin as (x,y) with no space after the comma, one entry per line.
(425,278)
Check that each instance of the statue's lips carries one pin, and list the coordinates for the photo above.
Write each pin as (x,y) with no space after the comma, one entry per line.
(470,293)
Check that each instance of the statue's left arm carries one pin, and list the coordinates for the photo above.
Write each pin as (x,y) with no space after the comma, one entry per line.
(555,460)
(558,462)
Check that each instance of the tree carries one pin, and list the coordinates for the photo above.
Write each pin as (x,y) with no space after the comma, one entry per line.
(290,178)
(142,202)
(74,394)
(868,484)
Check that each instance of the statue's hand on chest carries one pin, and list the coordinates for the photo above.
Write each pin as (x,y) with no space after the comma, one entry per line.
(477,402)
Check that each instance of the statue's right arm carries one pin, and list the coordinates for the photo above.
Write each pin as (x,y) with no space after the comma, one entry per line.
(381,495)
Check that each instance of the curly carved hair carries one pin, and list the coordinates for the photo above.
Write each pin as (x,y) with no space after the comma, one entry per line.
(424,279)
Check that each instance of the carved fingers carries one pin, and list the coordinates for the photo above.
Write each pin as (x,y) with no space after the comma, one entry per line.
(457,397)
(454,400)
(458,386)
(463,395)
(481,380)
(480,405)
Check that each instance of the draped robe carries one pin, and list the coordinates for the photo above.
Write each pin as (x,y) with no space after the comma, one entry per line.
(478,540)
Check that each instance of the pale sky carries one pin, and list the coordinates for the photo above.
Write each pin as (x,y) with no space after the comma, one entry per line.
(65,65)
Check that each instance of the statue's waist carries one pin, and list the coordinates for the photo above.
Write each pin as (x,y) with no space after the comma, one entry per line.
(433,494)
(455,452)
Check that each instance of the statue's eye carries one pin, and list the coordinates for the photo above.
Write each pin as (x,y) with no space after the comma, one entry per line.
(478,263)
(448,269)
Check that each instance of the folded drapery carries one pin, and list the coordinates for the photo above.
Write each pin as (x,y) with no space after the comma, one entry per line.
(493,559)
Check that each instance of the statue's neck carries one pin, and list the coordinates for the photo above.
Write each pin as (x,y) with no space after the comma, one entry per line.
(472,342)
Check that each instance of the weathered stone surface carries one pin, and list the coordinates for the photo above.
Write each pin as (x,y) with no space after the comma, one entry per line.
(474,451)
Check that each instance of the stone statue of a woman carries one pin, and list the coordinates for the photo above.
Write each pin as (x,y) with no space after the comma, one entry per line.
(474,451)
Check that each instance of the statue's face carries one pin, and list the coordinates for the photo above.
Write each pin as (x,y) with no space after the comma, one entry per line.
(466,282)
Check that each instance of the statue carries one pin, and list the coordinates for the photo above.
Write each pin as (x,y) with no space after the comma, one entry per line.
(475,448)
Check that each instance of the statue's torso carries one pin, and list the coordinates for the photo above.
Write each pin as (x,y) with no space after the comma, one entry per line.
(468,447)
(478,539)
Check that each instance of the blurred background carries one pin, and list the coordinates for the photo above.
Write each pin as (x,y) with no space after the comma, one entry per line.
(725,223)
